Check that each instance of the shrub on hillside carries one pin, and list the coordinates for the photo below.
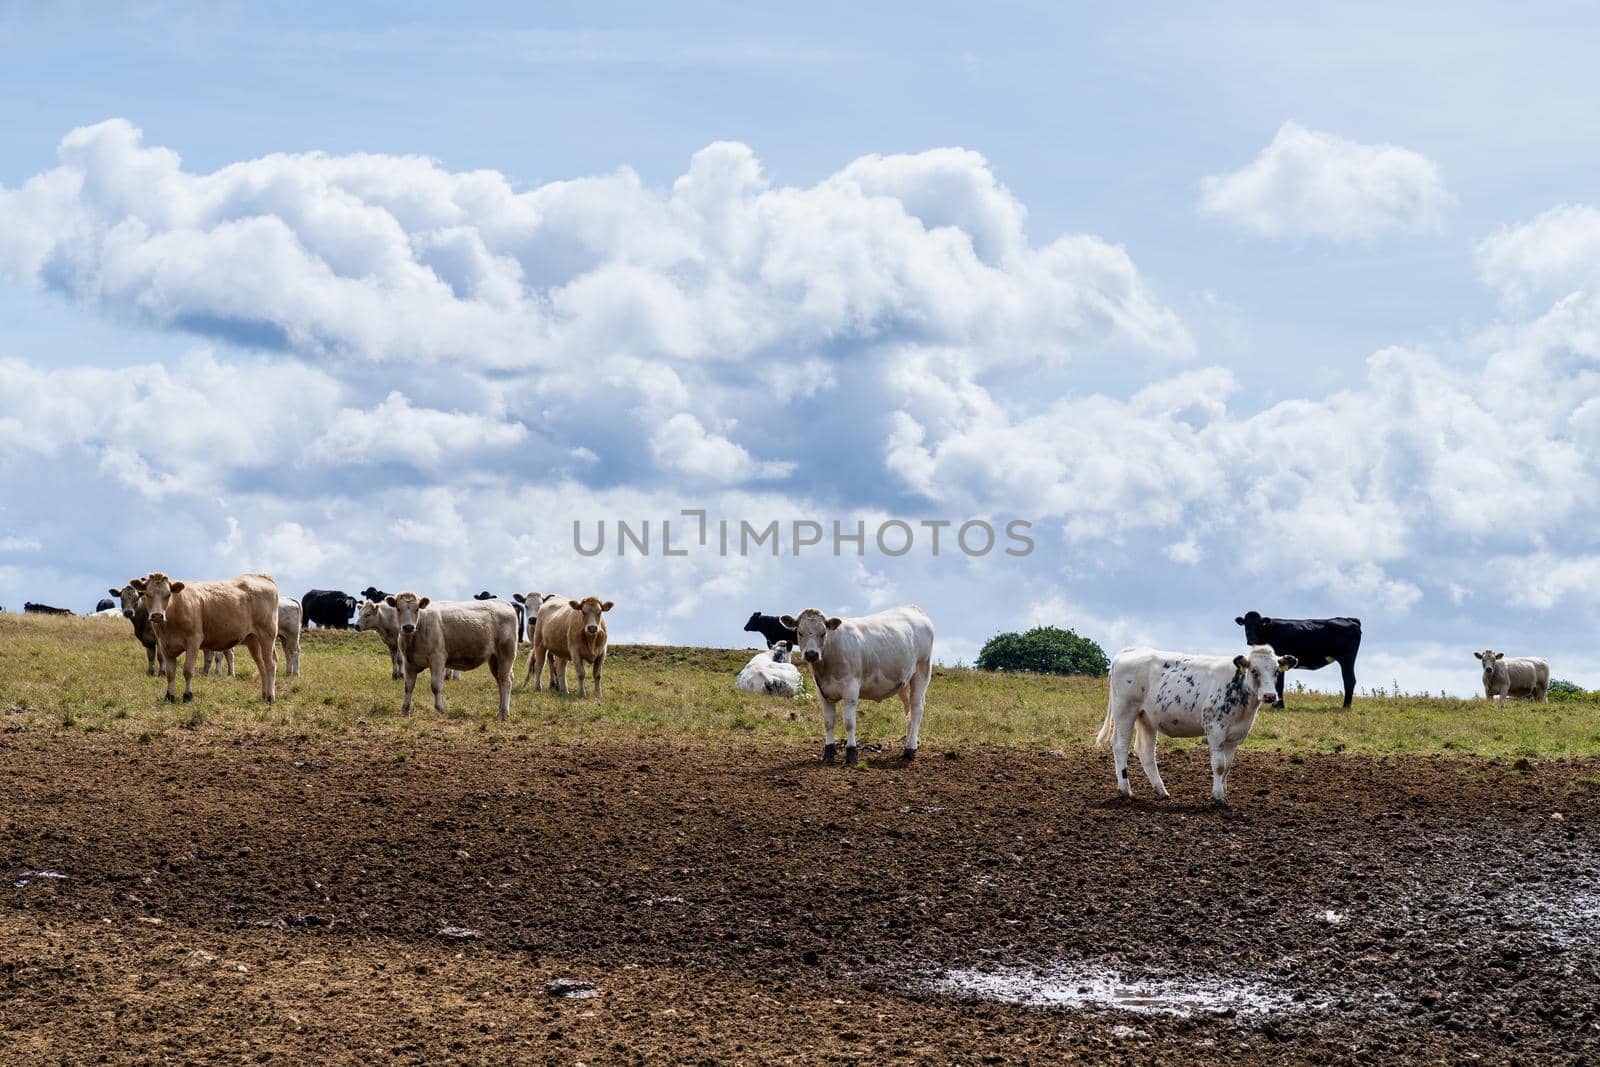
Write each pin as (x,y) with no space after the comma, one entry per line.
(1043,650)
(1561,689)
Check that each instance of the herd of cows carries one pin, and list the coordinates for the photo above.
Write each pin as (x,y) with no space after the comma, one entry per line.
(871,657)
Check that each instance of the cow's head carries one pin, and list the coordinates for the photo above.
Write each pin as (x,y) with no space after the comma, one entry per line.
(1254,623)
(407,606)
(811,631)
(1259,669)
(158,592)
(130,599)
(367,617)
(485,595)
(591,608)
(780,652)
(1490,659)
(753,624)
(374,594)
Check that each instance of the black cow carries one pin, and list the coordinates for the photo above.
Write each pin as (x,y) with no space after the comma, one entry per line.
(43,609)
(374,594)
(770,628)
(328,608)
(1314,642)
(104,603)
(516,602)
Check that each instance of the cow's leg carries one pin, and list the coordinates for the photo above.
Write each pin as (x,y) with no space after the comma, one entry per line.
(828,712)
(502,670)
(1347,671)
(436,673)
(1121,734)
(851,698)
(1222,755)
(915,702)
(190,654)
(169,667)
(411,683)
(150,660)
(558,673)
(266,657)
(1279,687)
(397,663)
(598,661)
(577,663)
(1145,737)
(532,673)
(228,655)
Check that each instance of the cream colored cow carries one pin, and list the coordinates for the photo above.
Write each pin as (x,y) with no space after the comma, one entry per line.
(573,632)
(455,636)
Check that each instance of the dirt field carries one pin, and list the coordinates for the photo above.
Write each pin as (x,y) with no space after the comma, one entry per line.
(237,899)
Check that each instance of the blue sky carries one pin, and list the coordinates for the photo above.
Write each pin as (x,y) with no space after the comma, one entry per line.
(1243,308)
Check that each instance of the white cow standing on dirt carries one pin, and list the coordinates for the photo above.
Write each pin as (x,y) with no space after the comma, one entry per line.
(1186,696)
(770,673)
(876,657)
(1520,676)
(458,636)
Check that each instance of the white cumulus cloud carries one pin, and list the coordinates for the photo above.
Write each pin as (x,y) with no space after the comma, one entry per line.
(1307,183)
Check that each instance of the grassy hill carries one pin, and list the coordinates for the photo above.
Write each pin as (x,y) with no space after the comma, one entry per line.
(61,675)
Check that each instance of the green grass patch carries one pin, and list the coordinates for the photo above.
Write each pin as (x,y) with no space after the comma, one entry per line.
(72,675)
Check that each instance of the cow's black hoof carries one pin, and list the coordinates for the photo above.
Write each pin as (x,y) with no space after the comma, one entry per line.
(828,752)
(170,699)
(851,754)
(909,754)
(187,697)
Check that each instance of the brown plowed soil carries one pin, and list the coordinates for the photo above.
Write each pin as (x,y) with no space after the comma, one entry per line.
(240,900)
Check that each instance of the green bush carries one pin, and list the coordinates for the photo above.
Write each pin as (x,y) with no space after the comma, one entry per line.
(1561,689)
(1043,650)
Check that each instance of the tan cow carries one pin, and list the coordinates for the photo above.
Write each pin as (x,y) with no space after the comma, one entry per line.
(577,634)
(455,636)
(195,617)
(381,620)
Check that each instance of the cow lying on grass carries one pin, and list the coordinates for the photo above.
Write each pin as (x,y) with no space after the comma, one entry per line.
(455,636)
(875,657)
(1186,696)
(770,673)
(1520,676)
(195,617)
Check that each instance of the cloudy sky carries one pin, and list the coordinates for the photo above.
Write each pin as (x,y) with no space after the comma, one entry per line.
(1239,310)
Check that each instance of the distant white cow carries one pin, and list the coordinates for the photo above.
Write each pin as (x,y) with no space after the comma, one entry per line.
(436,637)
(770,673)
(1521,676)
(1186,696)
(289,619)
(876,657)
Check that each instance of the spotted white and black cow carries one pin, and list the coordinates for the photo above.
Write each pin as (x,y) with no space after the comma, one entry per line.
(1186,696)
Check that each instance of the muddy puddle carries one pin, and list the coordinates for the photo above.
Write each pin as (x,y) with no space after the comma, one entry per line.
(1087,988)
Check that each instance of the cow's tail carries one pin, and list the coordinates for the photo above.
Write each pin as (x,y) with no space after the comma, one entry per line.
(1104,736)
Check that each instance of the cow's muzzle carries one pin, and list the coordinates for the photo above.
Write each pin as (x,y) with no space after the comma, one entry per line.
(127,614)
(591,629)
(812,655)
(158,616)
(1269,698)
(409,628)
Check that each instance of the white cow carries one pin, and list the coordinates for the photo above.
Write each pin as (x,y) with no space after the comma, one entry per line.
(876,657)
(1186,696)
(289,619)
(771,673)
(1520,676)
(436,637)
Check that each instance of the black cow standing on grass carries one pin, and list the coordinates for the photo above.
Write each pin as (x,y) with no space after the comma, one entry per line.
(30,608)
(1314,642)
(328,608)
(769,627)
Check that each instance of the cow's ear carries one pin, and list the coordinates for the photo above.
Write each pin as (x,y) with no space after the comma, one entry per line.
(1239,662)
(1499,655)
(1265,620)
(788,620)
(1477,655)
(607,606)
(574,605)
(519,598)
(1287,662)
(422,603)
(1239,620)
(389,600)
(116,592)
(137,583)
(835,622)
(177,587)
